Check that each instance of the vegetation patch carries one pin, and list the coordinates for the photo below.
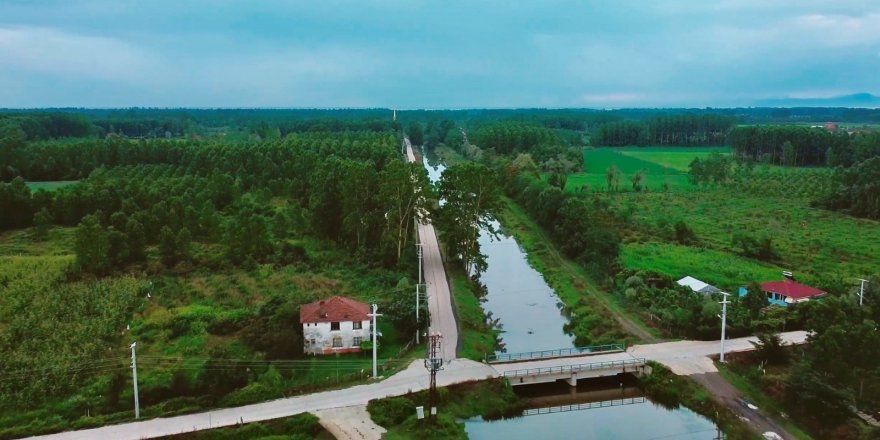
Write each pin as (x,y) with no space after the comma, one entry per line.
(299,427)
(491,399)
(672,391)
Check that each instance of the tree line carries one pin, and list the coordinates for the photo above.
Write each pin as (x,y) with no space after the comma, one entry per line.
(794,145)
(665,129)
(350,188)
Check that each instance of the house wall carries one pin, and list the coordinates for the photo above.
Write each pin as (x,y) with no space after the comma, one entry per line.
(318,337)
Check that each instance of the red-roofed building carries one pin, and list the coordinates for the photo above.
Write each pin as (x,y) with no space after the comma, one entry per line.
(789,291)
(334,325)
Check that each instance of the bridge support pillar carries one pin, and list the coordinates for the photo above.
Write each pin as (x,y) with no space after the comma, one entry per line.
(573,380)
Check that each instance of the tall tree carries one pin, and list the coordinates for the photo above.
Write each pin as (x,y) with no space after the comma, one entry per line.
(92,245)
(403,191)
(471,193)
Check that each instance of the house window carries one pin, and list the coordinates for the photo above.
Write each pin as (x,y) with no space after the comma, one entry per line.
(334,326)
(357,341)
(313,341)
(357,325)
(337,342)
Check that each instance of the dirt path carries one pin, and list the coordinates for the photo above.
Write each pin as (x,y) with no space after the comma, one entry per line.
(626,322)
(729,396)
(350,423)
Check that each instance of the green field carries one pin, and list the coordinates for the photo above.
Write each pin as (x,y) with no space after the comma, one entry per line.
(811,241)
(677,158)
(631,161)
(50,186)
(721,269)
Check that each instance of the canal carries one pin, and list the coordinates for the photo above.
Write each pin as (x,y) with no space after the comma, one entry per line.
(531,317)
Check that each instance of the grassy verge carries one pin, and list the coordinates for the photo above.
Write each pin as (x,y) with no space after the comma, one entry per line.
(672,391)
(763,401)
(591,309)
(299,427)
(491,399)
(475,337)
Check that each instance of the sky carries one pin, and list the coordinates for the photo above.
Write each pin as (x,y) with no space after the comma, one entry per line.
(434,54)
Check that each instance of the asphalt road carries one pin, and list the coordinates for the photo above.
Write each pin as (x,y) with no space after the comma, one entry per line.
(439,296)
(683,357)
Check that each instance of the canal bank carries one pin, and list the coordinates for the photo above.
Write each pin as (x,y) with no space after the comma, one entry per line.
(517,300)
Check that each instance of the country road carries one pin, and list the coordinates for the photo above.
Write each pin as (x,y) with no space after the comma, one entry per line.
(682,357)
(439,296)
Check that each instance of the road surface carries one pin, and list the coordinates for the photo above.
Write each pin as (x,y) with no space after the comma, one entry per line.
(682,357)
(439,296)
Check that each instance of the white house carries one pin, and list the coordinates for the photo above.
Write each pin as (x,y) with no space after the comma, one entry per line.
(334,325)
(697,285)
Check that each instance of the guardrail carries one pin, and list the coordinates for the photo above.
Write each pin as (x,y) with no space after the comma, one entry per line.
(575,368)
(559,352)
(583,406)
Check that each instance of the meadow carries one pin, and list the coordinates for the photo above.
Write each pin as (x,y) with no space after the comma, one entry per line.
(663,168)
(820,246)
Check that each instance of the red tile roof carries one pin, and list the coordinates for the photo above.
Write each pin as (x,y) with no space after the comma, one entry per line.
(334,309)
(791,289)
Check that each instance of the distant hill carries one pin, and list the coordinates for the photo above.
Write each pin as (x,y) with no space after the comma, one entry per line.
(859,100)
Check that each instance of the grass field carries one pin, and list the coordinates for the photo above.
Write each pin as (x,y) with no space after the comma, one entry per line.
(771,201)
(810,241)
(676,158)
(721,269)
(50,186)
(652,162)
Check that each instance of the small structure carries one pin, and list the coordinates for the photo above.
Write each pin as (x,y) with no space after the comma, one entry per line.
(788,291)
(334,325)
(697,285)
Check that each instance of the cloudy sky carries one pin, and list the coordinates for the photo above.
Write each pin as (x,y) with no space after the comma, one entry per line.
(426,54)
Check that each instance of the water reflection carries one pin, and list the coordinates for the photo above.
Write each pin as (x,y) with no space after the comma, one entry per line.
(591,411)
(518,300)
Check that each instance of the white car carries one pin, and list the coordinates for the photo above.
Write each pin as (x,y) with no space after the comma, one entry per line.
(770,435)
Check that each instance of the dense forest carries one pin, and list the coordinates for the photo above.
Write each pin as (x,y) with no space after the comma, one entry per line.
(682,129)
(331,212)
(803,146)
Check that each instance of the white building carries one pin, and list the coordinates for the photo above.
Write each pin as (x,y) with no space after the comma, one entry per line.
(334,325)
(697,285)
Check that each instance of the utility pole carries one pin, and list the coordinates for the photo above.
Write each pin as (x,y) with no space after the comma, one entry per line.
(724,302)
(134,380)
(375,330)
(418,292)
(433,363)
(862,291)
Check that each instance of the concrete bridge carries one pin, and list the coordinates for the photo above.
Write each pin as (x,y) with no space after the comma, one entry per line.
(572,373)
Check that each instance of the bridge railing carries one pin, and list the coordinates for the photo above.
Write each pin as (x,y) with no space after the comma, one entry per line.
(575,368)
(583,406)
(559,352)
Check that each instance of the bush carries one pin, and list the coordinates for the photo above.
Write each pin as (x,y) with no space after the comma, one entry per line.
(392,411)
(760,248)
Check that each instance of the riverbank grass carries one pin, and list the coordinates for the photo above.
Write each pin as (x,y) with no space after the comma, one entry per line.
(592,311)
(476,338)
(672,391)
(303,426)
(491,399)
